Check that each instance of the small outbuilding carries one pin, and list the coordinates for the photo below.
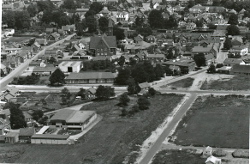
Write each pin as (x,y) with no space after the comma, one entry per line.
(213,160)
(12,137)
(49,139)
(25,134)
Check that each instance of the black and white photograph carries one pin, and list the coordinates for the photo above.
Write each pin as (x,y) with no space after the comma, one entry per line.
(125,81)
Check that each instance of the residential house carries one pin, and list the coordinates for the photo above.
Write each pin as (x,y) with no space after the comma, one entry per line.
(49,30)
(240,69)
(103,45)
(26,134)
(4,114)
(237,41)
(12,137)
(4,124)
(155,57)
(90,78)
(233,61)
(70,66)
(90,93)
(9,93)
(150,39)
(54,36)
(27,116)
(209,49)
(197,9)
(190,26)
(183,64)
(239,50)
(3,69)
(44,70)
(140,56)
(138,38)
(144,88)
(42,42)
(213,160)
(137,47)
(72,119)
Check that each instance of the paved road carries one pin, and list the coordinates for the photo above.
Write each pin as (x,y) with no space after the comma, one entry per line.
(157,145)
(205,92)
(17,71)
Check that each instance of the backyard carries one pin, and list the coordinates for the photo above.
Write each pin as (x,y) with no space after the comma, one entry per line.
(215,121)
(111,140)
(239,82)
(177,157)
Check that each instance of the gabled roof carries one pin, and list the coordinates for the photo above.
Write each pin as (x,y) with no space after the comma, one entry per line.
(26,132)
(110,41)
(156,56)
(232,61)
(144,85)
(212,159)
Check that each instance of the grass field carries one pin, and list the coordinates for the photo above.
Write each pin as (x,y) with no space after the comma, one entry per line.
(177,157)
(185,83)
(111,139)
(217,122)
(241,82)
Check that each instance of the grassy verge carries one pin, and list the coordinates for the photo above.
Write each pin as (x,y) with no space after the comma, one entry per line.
(217,122)
(236,83)
(184,83)
(177,157)
(112,139)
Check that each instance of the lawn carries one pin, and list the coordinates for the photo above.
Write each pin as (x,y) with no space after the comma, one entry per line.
(184,83)
(217,122)
(111,139)
(177,157)
(239,82)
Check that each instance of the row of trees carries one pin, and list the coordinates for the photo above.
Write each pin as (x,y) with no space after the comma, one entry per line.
(156,20)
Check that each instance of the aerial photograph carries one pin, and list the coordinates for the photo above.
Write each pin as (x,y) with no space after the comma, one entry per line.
(125,81)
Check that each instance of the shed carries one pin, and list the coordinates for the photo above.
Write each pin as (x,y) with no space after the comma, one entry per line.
(12,137)
(25,134)
(49,139)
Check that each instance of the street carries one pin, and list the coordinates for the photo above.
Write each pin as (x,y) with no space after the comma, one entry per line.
(18,71)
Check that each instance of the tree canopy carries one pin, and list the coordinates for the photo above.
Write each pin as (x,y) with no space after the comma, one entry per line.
(143,103)
(118,32)
(233,30)
(123,76)
(200,59)
(124,99)
(155,19)
(104,92)
(57,77)
(227,44)
(103,24)
(233,19)
(17,119)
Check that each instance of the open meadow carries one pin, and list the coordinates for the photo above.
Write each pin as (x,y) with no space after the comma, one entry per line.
(217,122)
(111,140)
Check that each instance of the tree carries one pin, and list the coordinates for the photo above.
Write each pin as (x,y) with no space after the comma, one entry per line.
(155,19)
(118,32)
(199,23)
(8,18)
(123,76)
(233,30)
(159,71)
(151,91)
(96,7)
(139,74)
(200,59)
(143,103)
(57,77)
(45,6)
(227,44)
(144,31)
(104,92)
(91,23)
(103,24)
(211,69)
(124,99)
(65,95)
(37,114)
(17,119)
(121,61)
(32,9)
(168,71)
(138,22)
(69,4)
(81,93)
(233,19)
(133,87)
(170,23)
(151,4)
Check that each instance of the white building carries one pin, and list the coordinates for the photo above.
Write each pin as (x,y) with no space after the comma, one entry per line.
(70,66)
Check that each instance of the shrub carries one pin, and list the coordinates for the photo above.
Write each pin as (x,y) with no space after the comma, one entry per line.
(219,153)
(240,154)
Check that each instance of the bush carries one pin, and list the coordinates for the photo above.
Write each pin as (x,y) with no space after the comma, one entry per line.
(219,153)
(241,154)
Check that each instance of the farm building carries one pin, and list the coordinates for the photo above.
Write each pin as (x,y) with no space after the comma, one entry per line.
(70,66)
(49,139)
(72,119)
(90,78)
(25,134)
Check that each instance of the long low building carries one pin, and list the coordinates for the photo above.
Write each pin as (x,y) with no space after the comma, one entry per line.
(90,78)
(72,119)
(49,139)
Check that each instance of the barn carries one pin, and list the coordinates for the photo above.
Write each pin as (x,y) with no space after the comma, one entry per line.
(72,119)
(49,139)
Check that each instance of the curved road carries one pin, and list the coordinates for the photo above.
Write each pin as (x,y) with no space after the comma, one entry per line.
(17,71)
